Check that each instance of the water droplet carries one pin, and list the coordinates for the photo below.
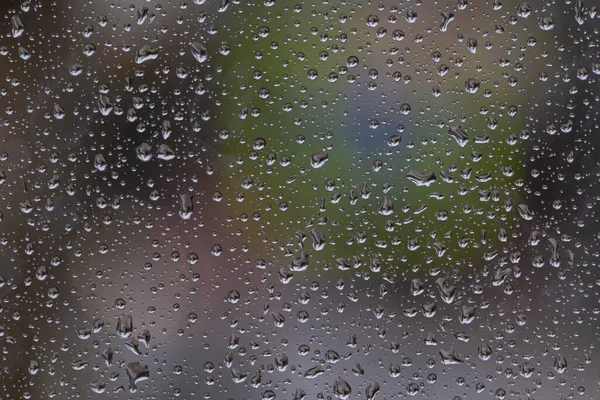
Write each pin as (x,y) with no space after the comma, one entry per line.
(314,372)
(17,26)
(546,23)
(341,389)
(186,207)
(146,53)
(136,372)
(421,178)
(372,390)
(317,160)
(446,19)
(199,52)
(560,364)
(450,357)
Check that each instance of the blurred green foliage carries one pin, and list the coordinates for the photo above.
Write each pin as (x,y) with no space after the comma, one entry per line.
(276,49)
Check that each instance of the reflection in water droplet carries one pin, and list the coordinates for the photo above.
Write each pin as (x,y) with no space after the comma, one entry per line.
(317,160)
(372,390)
(450,357)
(146,53)
(421,178)
(17,26)
(136,372)
(199,52)
(314,372)
(341,389)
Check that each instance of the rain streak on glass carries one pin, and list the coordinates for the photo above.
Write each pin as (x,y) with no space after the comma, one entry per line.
(272,200)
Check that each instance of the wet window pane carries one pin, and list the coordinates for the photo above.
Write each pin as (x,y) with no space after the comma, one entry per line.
(299,200)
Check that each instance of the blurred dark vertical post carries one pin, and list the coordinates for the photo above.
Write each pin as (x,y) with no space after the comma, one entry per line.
(75,227)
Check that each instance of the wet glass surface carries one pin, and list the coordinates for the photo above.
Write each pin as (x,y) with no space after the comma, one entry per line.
(299,200)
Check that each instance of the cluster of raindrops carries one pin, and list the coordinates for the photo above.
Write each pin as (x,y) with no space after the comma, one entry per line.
(298,200)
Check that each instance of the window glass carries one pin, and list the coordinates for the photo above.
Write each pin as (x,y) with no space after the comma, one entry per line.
(299,199)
